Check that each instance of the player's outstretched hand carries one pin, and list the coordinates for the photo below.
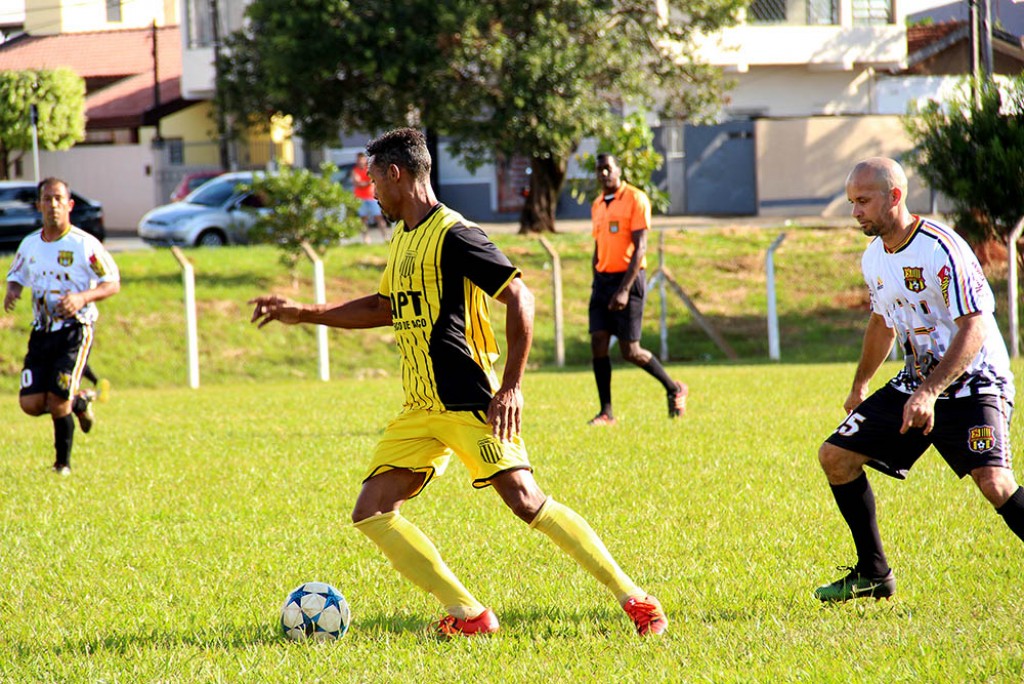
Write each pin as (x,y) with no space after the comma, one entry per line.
(274,308)
(505,413)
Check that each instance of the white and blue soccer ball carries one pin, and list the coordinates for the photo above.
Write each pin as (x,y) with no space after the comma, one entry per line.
(315,610)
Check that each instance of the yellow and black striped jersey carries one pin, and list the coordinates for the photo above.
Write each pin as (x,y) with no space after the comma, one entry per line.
(438,277)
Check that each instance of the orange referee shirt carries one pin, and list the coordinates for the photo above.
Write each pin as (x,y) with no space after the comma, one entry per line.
(613,226)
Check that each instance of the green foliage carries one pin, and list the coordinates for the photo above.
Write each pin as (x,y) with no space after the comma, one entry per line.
(301,206)
(974,154)
(498,78)
(59,95)
(632,143)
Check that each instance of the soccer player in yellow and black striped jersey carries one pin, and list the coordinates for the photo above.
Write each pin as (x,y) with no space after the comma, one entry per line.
(434,292)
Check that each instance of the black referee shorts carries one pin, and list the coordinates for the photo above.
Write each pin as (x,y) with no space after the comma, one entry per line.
(626,324)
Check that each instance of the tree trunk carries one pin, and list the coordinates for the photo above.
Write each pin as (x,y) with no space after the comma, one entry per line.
(546,179)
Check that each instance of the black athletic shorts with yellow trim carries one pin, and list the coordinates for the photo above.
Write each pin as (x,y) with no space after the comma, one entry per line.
(626,324)
(423,441)
(969,432)
(55,360)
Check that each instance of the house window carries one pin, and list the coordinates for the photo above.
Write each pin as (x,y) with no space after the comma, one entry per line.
(113,10)
(198,23)
(175,151)
(794,12)
(822,12)
(872,12)
(767,12)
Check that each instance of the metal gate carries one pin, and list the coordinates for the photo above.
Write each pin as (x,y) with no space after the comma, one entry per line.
(721,169)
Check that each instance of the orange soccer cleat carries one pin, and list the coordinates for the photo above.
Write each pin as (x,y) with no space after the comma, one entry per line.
(647,615)
(484,623)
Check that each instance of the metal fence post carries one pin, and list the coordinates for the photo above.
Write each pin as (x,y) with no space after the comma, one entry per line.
(773,316)
(556,289)
(1011,286)
(320,297)
(191,333)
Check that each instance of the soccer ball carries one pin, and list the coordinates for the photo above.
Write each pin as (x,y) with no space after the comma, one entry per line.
(315,610)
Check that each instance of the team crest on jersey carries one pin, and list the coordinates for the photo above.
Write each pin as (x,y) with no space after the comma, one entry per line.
(64,381)
(408,264)
(97,266)
(981,438)
(490,450)
(65,258)
(944,284)
(613,227)
(913,276)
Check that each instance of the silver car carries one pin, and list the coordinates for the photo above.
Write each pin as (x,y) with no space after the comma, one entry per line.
(214,214)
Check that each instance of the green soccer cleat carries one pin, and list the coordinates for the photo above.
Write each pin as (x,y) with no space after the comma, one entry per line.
(854,586)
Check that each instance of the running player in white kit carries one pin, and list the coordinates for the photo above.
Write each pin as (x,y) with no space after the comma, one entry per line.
(66,270)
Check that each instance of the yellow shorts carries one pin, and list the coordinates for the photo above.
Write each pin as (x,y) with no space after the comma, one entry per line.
(424,441)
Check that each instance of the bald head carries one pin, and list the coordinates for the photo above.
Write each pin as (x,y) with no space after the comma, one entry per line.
(880,172)
(877,190)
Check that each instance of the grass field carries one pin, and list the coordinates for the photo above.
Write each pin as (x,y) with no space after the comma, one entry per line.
(165,556)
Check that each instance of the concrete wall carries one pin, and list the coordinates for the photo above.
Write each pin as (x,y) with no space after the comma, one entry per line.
(119,176)
(802,164)
(50,17)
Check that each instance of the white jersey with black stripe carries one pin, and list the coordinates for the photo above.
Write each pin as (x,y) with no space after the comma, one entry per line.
(74,262)
(921,288)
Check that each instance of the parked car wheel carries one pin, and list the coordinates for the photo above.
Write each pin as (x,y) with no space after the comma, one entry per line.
(211,238)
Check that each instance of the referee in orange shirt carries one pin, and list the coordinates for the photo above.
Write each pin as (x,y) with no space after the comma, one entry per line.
(621,216)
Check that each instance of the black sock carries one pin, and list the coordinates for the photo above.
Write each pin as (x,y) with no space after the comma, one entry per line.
(89,375)
(857,504)
(655,368)
(63,435)
(1013,512)
(79,404)
(603,376)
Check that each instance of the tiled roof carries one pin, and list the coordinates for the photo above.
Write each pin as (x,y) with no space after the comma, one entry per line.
(124,59)
(921,36)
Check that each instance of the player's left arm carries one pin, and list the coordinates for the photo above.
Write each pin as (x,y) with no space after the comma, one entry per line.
(919,411)
(505,413)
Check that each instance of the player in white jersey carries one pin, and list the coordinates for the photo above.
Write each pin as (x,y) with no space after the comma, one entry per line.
(67,271)
(955,391)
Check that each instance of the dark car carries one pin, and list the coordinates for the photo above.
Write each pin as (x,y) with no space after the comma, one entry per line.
(19,215)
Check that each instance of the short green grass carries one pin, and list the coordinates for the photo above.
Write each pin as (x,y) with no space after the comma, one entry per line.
(166,554)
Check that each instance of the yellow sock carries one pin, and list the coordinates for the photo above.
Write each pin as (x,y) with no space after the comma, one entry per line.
(416,557)
(575,536)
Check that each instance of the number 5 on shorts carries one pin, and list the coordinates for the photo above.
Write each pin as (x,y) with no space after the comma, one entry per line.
(851,425)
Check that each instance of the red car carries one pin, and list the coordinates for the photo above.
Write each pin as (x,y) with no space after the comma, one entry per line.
(190,182)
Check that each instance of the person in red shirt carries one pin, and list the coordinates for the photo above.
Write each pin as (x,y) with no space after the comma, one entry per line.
(621,216)
(369,211)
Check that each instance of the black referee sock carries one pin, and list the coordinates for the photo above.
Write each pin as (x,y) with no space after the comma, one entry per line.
(857,504)
(1013,512)
(655,368)
(63,435)
(603,376)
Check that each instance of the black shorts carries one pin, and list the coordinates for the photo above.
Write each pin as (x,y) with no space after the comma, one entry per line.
(969,433)
(55,360)
(626,324)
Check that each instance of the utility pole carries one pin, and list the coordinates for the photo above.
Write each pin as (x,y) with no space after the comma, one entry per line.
(222,133)
(985,35)
(157,139)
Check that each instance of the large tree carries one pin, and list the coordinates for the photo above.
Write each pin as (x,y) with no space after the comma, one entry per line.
(505,77)
(59,96)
